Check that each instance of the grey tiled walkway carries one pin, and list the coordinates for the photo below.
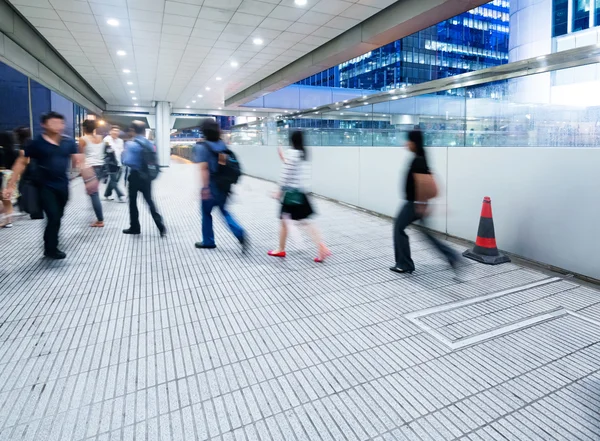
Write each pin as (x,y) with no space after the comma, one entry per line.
(138,338)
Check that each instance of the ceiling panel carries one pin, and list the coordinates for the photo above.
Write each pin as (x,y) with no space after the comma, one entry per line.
(175,49)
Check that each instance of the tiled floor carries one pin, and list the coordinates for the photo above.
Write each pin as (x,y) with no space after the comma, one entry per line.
(142,338)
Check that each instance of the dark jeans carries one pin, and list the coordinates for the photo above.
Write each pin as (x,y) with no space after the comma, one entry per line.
(53,203)
(208,235)
(137,184)
(113,184)
(406,217)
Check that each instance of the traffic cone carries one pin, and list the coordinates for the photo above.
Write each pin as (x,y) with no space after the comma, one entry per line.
(485,249)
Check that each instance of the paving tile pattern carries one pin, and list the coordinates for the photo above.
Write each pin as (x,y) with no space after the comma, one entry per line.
(143,338)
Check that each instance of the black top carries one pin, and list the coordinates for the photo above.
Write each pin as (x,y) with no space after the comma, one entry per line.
(8,156)
(419,165)
(52,161)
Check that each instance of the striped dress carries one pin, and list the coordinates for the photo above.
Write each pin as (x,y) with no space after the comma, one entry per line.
(293,178)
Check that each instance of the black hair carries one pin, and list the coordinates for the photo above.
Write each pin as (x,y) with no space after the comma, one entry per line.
(416,137)
(297,141)
(8,154)
(115,127)
(7,140)
(89,125)
(211,131)
(51,115)
(22,135)
(139,127)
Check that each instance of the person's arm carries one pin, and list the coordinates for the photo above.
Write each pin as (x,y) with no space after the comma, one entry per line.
(281,154)
(17,169)
(204,180)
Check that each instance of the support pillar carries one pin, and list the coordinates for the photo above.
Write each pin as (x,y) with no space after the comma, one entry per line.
(163,132)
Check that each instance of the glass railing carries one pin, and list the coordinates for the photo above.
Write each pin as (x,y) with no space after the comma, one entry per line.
(555,108)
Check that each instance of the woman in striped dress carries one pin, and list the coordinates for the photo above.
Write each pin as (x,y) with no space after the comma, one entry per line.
(295,204)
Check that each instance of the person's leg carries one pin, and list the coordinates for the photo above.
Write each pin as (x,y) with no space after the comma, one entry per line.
(134,214)
(146,188)
(97,205)
(7,210)
(406,216)
(51,205)
(118,174)
(111,185)
(208,235)
(316,237)
(235,228)
(449,254)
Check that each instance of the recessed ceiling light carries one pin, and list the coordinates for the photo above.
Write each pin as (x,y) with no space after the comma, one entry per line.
(254,110)
(364,97)
(234,64)
(366,114)
(187,107)
(287,111)
(112,22)
(219,78)
(134,98)
(384,115)
(337,108)
(342,113)
(194,101)
(121,53)
(129,83)
(347,107)
(366,104)
(126,71)
(345,101)
(258,41)
(132,91)
(200,96)
(135,104)
(218,108)
(317,113)
(300,2)
(314,108)
(207,88)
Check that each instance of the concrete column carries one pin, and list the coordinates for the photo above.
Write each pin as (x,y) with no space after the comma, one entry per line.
(163,132)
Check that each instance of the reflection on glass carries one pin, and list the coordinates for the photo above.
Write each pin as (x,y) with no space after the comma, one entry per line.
(581,15)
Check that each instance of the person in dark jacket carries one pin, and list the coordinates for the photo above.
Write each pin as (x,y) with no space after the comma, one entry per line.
(415,208)
(133,158)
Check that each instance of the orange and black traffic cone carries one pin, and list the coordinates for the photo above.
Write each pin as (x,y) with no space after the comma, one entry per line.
(485,249)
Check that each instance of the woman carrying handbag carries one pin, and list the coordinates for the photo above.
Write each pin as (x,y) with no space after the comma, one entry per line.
(420,188)
(295,204)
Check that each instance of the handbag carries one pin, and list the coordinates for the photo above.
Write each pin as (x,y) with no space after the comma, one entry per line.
(293,197)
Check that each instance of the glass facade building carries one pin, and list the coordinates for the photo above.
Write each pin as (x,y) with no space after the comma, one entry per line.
(475,40)
(24,101)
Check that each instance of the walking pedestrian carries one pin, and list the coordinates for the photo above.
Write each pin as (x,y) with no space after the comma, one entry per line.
(53,154)
(113,161)
(420,188)
(135,156)
(295,205)
(209,154)
(92,146)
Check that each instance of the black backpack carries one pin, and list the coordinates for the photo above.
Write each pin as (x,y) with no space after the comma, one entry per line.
(228,170)
(150,169)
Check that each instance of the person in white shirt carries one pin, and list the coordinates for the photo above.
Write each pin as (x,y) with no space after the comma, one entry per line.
(114,151)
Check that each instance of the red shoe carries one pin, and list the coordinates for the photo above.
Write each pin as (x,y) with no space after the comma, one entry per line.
(276,254)
(323,254)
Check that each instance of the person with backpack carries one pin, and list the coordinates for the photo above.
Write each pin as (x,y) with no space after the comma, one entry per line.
(141,158)
(219,170)
(420,188)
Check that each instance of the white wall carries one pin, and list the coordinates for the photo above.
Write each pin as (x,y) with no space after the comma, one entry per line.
(546,201)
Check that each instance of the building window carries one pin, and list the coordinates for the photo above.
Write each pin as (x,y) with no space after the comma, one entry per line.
(581,15)
(560,17)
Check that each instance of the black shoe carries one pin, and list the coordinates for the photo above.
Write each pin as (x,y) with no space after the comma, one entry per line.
(400,270)
(131,231)
(163,232)
(201,246)
(56,255)
(244,243)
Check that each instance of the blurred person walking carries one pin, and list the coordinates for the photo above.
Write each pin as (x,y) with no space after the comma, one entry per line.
(140,156)
(8,157)
(420,188)
(295,204)
(53,153)
(29,190)
(92,146)
(212,155)
(113,155)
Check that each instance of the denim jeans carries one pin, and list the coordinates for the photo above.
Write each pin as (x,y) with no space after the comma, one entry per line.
(139,185)
(95,197)
(113,184)
(208,235)
(407,216)
(53,203)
